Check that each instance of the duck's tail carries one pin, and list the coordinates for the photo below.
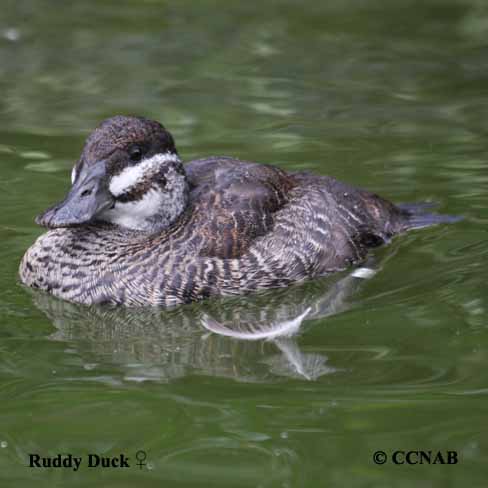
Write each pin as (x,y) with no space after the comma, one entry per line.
(418,216)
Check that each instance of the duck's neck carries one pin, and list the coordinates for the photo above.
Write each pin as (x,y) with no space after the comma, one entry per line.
(157,205)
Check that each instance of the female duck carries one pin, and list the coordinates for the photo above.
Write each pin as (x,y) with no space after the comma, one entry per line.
(140,228)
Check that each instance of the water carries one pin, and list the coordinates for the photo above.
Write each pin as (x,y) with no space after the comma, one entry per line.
(391,96)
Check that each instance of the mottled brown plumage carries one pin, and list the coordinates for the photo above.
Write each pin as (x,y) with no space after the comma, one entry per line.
(244,227)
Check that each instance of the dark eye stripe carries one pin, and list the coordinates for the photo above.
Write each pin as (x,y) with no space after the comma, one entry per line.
(135,193)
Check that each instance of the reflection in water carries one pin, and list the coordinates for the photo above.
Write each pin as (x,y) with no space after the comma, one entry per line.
(250,339)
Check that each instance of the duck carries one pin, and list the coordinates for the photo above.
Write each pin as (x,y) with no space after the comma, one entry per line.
(139,227)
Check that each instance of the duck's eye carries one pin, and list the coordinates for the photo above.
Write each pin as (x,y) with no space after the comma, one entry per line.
(135,154)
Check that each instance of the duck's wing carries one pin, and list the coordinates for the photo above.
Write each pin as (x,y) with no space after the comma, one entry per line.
(324,227)
(234,203)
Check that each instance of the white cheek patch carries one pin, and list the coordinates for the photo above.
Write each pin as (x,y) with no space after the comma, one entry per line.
(134,214)
(132,175)
(73,174)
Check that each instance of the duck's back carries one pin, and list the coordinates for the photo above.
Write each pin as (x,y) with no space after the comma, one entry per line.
(247,209)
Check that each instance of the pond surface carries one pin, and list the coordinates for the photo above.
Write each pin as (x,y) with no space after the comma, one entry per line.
(390,96)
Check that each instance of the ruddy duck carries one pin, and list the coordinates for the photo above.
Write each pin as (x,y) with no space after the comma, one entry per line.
(139,227)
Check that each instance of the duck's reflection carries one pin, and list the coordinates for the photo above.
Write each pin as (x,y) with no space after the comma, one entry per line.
(249,339)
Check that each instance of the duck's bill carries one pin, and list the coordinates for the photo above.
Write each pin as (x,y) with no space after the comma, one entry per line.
(88,197)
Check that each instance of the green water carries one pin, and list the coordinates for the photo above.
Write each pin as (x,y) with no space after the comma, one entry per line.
(391,96)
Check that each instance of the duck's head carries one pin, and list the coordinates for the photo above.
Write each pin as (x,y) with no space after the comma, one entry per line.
(129,174)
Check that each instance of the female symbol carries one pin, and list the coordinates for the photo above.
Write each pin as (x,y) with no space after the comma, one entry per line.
(141,457)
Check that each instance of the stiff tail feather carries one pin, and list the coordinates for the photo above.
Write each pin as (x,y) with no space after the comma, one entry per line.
(418,216)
